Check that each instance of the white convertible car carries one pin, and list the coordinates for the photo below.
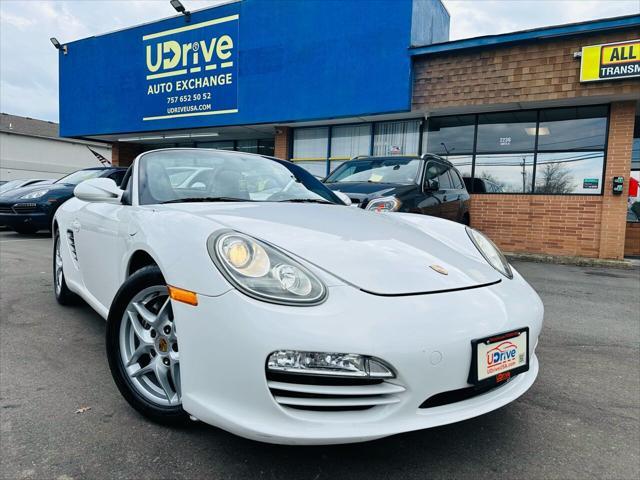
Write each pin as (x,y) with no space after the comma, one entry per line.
(255,300)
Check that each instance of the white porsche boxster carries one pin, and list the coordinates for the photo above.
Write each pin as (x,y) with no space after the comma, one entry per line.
(240,291)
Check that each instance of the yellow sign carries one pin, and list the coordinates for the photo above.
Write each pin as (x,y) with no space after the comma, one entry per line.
(610,61)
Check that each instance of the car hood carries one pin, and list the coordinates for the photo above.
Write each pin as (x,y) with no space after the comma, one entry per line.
(362,190)
(15,194)
(379,253)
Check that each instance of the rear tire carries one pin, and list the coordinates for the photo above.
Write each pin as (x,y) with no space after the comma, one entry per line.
(63,295)
(142,347)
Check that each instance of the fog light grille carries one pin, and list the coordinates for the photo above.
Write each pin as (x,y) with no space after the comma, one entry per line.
(320,393)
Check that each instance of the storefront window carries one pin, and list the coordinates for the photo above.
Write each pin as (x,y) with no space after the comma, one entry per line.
(569,172)
(249,146)
(569,158)
(317,168)
(348,141)
(222,145)
(266,146)
(450,135)
(397,138)
(583,128)
(310,143)
(505,173)
(462,162)
(506,132)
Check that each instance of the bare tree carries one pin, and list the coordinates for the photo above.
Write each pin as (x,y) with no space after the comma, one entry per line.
(554,178)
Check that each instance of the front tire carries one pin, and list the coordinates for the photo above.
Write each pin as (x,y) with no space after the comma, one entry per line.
(142,347)
(63,295)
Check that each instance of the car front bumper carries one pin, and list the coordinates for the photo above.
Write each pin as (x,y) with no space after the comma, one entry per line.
(225,341)
(26,214)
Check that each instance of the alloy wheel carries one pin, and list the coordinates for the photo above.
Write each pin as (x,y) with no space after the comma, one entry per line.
(149,346)
(58,267)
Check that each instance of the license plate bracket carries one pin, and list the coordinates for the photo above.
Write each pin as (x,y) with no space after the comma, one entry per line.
(498,358)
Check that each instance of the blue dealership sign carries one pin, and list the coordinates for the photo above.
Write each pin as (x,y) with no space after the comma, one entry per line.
(192,70)
(241,63)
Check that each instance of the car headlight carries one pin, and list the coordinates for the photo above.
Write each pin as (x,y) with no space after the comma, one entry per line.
(36,194)
(384,204)
(326,363)
(490,252)
(263,272)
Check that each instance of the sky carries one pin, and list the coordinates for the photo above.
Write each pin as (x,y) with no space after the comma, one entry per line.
(28,61)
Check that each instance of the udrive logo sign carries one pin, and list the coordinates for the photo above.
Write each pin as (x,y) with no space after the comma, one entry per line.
(170,54)
(504,352)
(212,49)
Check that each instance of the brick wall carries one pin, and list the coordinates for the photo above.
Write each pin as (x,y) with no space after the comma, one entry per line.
(632,240)
(283,142)
(123,154)
(614,207)
(533,75)
(550,224)
(544,70)
(580,225)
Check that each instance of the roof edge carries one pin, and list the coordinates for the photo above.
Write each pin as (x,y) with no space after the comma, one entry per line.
(554,31)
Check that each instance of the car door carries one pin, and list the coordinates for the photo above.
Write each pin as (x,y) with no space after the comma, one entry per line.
(101,235)
(449,196)
(461,192)
(431,202)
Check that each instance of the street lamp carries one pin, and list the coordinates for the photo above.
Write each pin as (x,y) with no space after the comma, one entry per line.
(58,45)
(177,4)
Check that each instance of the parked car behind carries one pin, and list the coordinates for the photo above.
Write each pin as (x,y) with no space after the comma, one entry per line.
(481,185)
(13,184)
(31,208)
(429,185)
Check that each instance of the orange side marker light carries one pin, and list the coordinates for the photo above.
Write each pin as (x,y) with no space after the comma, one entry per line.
(184,296)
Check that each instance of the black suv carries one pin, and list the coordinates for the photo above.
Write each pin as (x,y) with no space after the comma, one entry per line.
(429,185)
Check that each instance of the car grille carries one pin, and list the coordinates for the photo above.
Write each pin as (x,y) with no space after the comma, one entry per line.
(455,396)
(25,208)
(327,393)
(19,208)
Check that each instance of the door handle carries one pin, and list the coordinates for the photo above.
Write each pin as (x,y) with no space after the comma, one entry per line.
(75,225)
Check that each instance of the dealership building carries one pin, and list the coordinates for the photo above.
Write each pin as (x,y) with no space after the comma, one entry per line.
(546,121)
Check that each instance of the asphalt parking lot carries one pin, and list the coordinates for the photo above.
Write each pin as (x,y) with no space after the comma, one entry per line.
(580,419)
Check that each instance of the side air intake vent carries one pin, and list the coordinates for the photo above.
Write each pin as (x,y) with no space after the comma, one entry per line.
(72,245)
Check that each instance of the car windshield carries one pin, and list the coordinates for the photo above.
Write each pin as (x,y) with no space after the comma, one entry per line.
(193,175)
(377,170)
(80,176)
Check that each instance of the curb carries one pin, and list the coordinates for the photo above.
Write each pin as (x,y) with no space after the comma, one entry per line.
(565,260)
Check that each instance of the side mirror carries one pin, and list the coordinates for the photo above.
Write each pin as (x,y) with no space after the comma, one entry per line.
(102,190)
(343,196)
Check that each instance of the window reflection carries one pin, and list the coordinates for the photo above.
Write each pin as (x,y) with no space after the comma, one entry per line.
(462,163)
(450,135)
(572,128)
(505,173)
(508,132)
(569,172)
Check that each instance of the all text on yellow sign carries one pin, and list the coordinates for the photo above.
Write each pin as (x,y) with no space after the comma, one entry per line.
(610,61)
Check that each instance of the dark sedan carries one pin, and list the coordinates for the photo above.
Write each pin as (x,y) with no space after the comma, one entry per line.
(429,185)
(29,209)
